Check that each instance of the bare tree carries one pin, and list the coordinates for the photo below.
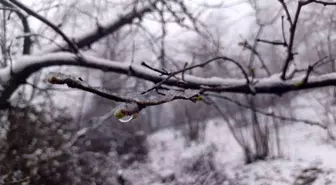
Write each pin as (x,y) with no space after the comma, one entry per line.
(289,81)
(27,52)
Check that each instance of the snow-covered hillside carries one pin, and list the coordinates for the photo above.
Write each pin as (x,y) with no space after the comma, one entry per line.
(308,155)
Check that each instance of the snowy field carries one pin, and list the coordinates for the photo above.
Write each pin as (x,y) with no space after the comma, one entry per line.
(308,156)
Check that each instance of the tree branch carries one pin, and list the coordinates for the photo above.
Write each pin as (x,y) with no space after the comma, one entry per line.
(27,65)
(102,31)
(27,41)
(265,113)
(137,98)
(201,65)
(324,3)
(289,18)
(70,43)
(292,29)
(276,42)
(293,26)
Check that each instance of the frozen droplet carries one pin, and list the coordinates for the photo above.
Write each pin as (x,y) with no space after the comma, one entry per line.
(126,119)
(122,111)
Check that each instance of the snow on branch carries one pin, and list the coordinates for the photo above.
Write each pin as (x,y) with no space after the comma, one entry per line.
(12,77)
(133,102)
(137,98)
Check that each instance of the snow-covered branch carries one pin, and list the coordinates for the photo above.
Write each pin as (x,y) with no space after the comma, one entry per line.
(12,77)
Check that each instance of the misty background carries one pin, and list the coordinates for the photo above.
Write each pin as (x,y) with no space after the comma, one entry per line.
(59,135)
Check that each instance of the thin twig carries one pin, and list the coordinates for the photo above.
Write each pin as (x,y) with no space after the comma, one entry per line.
(292,30)
(137,98)
(283,32)
(200,65)
(311,68)
(31,12)
(276,42)
(255,52)
(289,18)
(271,114)
(154,69)
(27,42)
(185,65)
(324,3)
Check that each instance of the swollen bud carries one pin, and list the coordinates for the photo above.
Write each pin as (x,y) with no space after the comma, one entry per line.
(299,84)
(127,112)
(198,98)
(119,114)
(123,117)
(52,80)
(252,70)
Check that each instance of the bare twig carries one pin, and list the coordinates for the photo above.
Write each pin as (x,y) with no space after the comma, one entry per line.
(293,25)
(31,12)
(240,140)
(292,30)
(283,32)
(324,3)
(137,98)
(154,69)
(289,18)
(38,35)
(276,42)
(102,31)
(271,114)
(311,69)
(27,42)
(255,52)
(200,65)
(185,65)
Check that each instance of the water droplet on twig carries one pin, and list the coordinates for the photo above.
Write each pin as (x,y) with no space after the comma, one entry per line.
(126,119)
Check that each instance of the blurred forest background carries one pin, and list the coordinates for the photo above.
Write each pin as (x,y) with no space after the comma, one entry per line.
(58,135)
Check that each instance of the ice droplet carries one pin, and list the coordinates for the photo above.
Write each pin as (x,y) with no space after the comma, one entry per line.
(126,119)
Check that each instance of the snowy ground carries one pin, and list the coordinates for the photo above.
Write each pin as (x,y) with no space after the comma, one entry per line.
(307,152)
